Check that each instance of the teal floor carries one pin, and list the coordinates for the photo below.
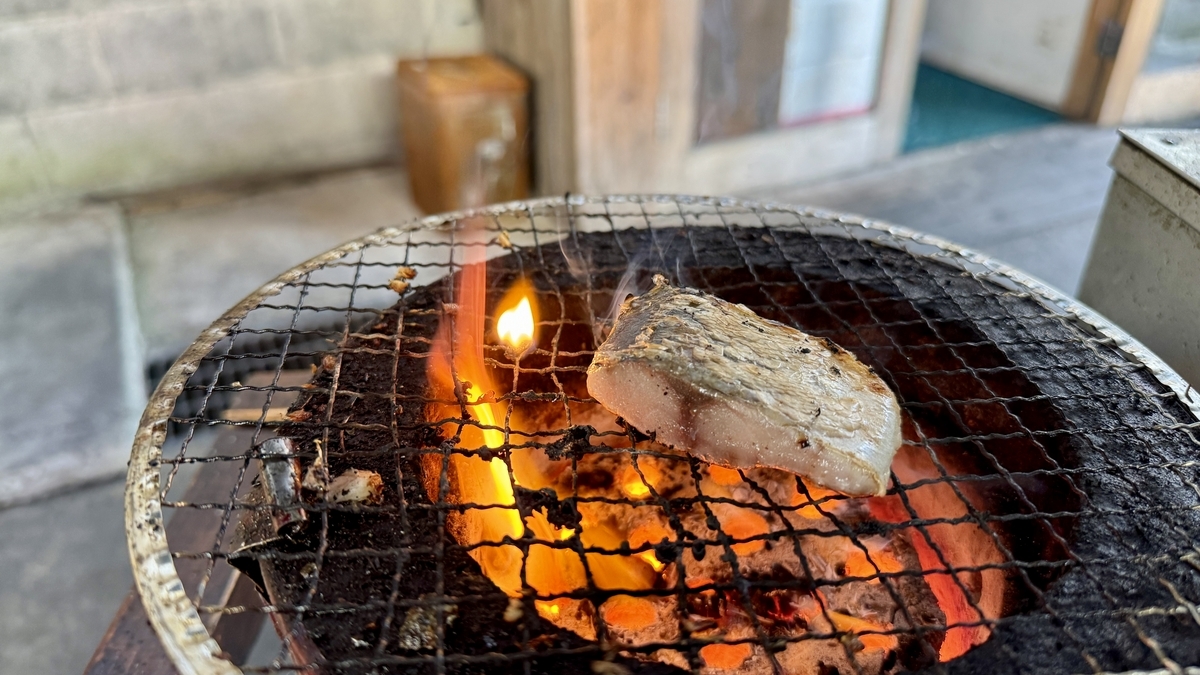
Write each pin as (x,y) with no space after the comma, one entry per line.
(947,109)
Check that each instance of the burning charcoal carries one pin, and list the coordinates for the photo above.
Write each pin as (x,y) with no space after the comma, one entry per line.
(574,442)
(785,576)
(560,513)
(356,487)
(281,481)
(629,612)
(419,629)
(726,657)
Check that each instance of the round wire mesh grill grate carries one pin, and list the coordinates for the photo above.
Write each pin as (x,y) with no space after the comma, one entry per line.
(1052,443)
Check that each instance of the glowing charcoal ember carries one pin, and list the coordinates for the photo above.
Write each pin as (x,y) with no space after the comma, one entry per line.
(725,657)
(868,632)
(871,564)
(723,475)
(629,612)
(815,501)
(632,484)
(741,524)
(612,571)
(649,533)
(732,388)
(959,545)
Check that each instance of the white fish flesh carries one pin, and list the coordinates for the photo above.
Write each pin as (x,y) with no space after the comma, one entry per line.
(719,381)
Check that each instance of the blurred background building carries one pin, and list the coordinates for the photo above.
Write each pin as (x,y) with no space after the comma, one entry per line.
(102,98)
(160,159)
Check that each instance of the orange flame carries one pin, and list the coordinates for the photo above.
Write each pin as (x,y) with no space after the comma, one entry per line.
(462,382)
(961,544)
(517,323)
(457,371)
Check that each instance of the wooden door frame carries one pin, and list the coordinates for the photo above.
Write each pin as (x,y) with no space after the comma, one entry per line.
(1103,78)
(615,114)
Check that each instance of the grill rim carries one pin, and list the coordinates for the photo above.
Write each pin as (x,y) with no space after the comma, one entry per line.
(176,620)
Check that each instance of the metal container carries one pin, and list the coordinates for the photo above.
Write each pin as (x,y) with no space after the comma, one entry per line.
(1089,437)
(1144,268)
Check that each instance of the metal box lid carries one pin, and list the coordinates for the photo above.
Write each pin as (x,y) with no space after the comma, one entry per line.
(1165,164)
(1177,149)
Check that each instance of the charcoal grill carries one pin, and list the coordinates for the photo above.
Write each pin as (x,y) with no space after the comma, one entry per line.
(1064,441)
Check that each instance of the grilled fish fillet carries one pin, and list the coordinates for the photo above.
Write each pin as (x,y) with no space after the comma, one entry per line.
(730,387)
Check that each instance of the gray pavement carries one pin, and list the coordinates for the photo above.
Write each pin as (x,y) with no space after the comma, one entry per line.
(65,573)
(1031,199)
(196,257)
(70,380)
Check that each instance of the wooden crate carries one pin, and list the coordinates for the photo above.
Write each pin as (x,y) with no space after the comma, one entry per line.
(464,122)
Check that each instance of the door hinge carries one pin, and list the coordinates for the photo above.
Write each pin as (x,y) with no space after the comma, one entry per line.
(1108,43)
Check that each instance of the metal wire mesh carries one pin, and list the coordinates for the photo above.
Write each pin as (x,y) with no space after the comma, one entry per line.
(1069,449)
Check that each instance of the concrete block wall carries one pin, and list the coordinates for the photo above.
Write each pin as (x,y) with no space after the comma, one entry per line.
(119,96)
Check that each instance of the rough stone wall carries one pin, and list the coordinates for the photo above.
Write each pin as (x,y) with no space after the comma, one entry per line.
(113,96)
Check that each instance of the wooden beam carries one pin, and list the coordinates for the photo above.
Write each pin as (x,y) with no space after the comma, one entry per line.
(617,51)
(1092,68)
(897,75)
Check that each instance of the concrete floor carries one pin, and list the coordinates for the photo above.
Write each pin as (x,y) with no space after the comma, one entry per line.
(65,573)
(195,258)
(1030,199)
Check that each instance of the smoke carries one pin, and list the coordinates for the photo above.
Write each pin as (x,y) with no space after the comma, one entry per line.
(659,251)
(668,253)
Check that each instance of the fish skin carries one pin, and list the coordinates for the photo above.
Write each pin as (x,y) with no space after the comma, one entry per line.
(810,407)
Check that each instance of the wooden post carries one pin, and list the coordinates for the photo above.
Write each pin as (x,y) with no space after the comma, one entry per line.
(1114,47)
